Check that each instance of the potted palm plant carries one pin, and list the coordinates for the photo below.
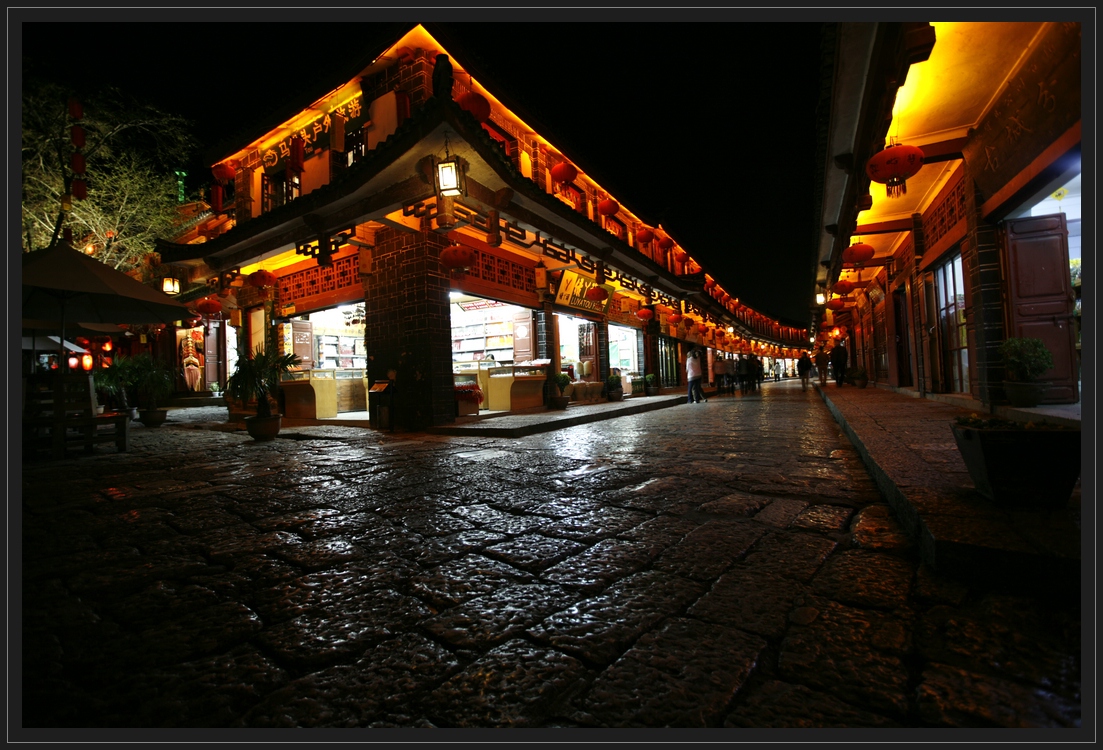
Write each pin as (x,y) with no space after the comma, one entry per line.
(1025,360)
(152,381)
(257,379)
(112,383)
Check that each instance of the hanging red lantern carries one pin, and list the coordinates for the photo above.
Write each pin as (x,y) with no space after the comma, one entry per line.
(298,154)
(261,279)
(456,257)
(702,328)
(596,294)
(893,166)
(835,304)
(843,287)
(666,243)
(216,198)
(680,255)
(858,253)
(608,207)
(76,111)
(86,362)
(223,173)
(563,172)
(644,235)
(645,314)
(674,319)
(476,104)
(208,306)
(76,136)
(80,189)
(74,362)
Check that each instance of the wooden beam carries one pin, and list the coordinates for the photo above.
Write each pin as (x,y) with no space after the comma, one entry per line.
(943,150)
(886,227)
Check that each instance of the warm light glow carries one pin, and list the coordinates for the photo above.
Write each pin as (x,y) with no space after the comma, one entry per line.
(820,299)
(448,177)
(170,285)
(89,249)
(107,346)
(86,362)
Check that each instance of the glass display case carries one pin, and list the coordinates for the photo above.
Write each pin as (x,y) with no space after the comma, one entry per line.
(309,394)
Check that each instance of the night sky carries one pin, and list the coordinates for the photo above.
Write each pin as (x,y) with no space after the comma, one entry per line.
(706,128)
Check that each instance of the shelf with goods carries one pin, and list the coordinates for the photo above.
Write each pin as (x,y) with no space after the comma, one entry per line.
(341,352)
(477,341)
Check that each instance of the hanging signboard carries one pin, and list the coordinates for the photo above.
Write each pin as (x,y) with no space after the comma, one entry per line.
(572,293)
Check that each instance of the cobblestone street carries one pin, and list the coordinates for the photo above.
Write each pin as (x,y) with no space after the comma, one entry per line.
(728,564)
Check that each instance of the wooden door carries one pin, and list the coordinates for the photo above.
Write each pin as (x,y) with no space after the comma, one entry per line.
(522,337)
(931,335)
(213,359)
(903,346)
(587,350)
(1040,299)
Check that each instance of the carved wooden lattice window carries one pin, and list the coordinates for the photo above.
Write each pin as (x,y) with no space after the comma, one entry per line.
(942,218)
(344,273)
(504,272)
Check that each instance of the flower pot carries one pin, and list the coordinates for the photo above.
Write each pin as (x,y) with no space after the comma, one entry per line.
(465,407)
(1024,395)
(558,402)
(263,428)
(152,417)
(861,382)
(615,395)
(651,390)
(1021,467)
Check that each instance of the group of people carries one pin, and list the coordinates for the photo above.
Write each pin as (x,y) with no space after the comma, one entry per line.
(748,371)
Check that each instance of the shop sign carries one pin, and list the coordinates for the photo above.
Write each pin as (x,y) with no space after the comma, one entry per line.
(315,134)
(572,293)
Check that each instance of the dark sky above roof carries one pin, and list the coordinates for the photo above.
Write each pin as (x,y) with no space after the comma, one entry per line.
(705,127)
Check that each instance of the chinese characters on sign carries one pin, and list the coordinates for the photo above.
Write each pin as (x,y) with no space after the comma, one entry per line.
(316,134)
(572,293)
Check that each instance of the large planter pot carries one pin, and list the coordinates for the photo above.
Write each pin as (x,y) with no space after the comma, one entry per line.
(1021,467)
(466,408)
(152,417)
(1024,395)
(651,390)
(558,402)
(615,395)
(861,382)
(263,428)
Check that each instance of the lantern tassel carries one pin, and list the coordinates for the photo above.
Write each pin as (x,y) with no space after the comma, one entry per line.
(895,187)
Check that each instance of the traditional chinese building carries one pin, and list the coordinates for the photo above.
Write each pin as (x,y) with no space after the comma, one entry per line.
(951,202)
(408,227)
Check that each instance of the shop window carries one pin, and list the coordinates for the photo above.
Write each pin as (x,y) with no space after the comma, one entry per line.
(950,293)
(279,188)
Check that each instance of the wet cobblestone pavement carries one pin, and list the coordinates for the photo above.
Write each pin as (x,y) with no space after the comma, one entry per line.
(729,564)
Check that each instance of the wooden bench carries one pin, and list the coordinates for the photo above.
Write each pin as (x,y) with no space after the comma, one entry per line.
(59,413)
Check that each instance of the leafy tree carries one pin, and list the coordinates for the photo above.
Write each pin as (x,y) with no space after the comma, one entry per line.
(131,150)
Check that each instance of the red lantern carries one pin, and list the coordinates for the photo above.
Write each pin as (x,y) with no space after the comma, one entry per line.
(74,362)
(644,314)
(261,279)
(835,304)
(86,362)
(298,154)
(209,306)
(596,294)
(563,172)
(666,243)
(80,189)
(223,173)
(858,253)
(843,287)
(216,198)
(476,104)
(644,235)
(76,111)
(608,207)
(894,166)
(702,328)
(674,319)
(681,256)
(76,136)
(457,257)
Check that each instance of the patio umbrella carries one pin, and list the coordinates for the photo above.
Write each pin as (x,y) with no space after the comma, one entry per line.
(61,284)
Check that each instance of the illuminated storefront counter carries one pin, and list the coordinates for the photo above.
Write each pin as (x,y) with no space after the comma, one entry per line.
(322,394)
(516,387)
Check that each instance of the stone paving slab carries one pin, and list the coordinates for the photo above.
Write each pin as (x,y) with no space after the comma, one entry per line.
(909,449)
(723,565)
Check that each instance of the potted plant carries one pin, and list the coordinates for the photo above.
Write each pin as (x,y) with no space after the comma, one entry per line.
(112,383)
(152,382)
(563,387)
(1025,464)
(614,388)
(651,384)
(468,398)
(1025,360)
(215,388)
(857,375)
(257,379)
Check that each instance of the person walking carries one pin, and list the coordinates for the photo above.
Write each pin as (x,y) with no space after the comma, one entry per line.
(777,370)
(742,368)
(838,363)
(821,362)
(720,373)
(804,370)
(693,375)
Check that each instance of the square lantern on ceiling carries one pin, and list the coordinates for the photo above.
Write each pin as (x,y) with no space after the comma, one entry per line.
(449,177)
(170,285)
